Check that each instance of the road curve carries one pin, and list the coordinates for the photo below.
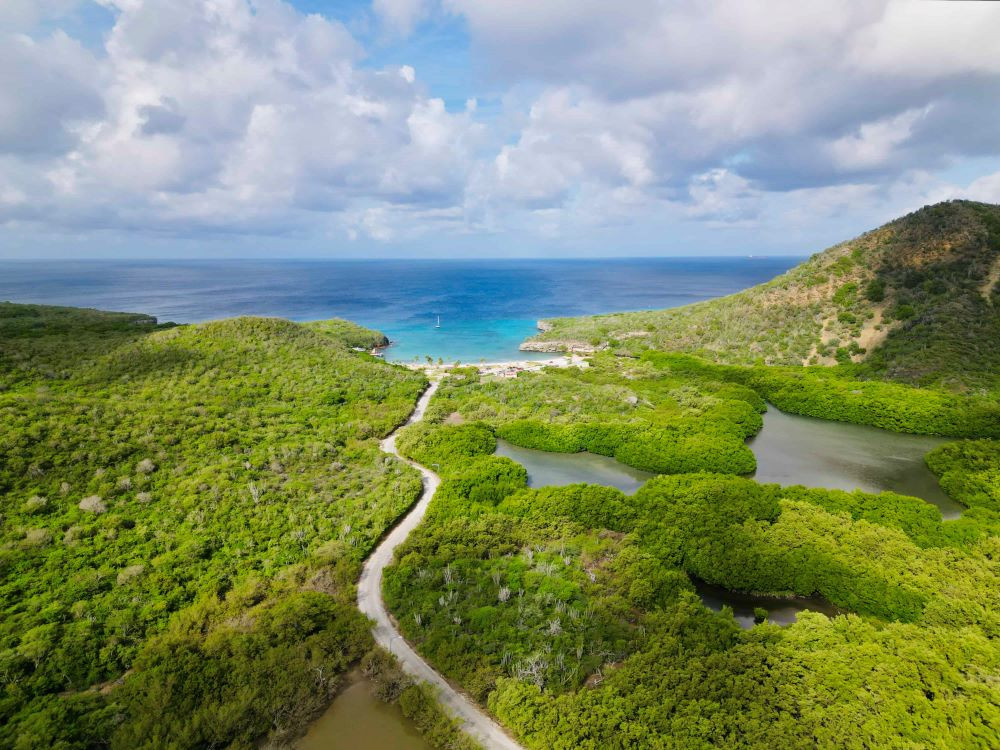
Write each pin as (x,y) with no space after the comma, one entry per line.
(473,719)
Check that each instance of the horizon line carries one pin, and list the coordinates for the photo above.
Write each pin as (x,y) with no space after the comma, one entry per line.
(755,256)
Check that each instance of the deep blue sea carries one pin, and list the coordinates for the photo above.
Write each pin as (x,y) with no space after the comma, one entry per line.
(487,307)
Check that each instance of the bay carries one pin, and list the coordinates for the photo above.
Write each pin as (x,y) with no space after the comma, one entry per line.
(487,307)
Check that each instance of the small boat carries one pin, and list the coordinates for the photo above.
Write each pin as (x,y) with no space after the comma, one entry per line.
(439,322)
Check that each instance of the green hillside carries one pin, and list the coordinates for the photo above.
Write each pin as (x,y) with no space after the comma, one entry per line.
(348,333)
(184,512)
(916,300)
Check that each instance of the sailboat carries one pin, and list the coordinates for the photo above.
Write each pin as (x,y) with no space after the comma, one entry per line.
(439,322)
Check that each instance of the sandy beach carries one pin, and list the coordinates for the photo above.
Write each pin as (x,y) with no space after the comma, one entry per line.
(509,368)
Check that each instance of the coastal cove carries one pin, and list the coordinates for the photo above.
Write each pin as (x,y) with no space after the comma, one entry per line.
(483,375)
(537,575)
(486,307)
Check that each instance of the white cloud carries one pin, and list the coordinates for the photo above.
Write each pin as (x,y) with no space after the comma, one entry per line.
(874,143)
(722,196)
(915,39)
(401,16)
(250,116)
(718,104)
(985,188)
(224,116)
(24,14)
(47,88)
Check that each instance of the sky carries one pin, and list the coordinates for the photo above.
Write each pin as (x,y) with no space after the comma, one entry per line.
(485,128)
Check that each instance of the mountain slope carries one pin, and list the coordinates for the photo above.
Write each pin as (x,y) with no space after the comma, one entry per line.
(184,511)
(916,300)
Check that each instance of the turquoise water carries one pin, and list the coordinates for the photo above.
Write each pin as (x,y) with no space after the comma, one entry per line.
(460,339)
(487,307)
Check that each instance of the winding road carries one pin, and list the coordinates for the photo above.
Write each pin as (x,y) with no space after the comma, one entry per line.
(473,719)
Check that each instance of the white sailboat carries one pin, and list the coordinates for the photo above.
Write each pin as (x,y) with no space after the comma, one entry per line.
(439,322)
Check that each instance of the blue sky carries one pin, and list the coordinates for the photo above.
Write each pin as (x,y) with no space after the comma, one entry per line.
(485,128)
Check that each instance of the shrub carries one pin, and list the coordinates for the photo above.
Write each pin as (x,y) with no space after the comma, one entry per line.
(903,312)
(93,504)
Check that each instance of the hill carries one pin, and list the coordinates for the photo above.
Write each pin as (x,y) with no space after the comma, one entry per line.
(916,300)
(184,512)
(350,334)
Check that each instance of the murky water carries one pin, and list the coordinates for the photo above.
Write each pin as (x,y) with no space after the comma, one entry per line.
(779,611)
(557,469)
(819,453)
(357,720)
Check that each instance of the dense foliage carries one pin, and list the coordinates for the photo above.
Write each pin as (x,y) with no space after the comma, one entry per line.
(571,612)
(418,702)
(348,333)
(969,471)
(643,416)
(916,300)
(184,511)
(837,393)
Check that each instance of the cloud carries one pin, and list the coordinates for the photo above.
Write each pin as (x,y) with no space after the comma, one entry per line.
(47,88)
(784,95)
(401,16)
(197,117)
(19,15)
(162,118)
(985,188)
(224,116)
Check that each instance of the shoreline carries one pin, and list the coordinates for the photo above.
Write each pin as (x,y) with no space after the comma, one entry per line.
(502,368)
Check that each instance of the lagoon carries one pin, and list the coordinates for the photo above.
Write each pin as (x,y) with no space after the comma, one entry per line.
(558,469)
(792,449)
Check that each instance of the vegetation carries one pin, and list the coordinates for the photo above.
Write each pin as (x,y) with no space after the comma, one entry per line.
(417,701)
(839,394)
(570,611)
(184,512)
(349,334)
(904,318)
(969,471)
(642,415)
(916,301)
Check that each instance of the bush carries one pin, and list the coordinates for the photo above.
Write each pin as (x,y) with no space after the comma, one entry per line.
(903,311)
(875,290)
(969,472)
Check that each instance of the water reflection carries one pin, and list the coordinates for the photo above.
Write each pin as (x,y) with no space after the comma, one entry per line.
(791,449)
(558,469)
(779,611)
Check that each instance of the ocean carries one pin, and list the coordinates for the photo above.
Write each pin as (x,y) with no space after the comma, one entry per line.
(486,307)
